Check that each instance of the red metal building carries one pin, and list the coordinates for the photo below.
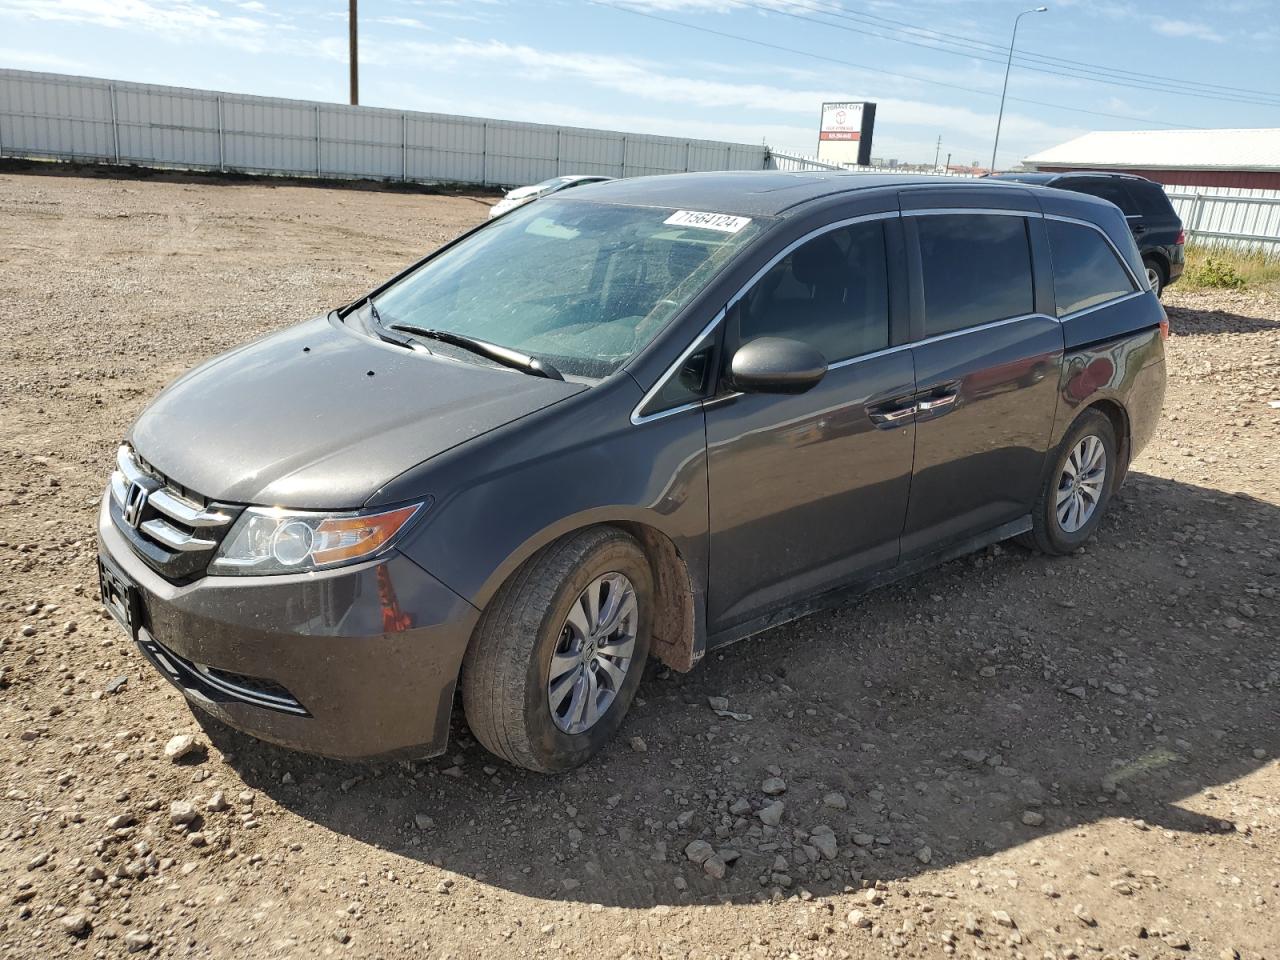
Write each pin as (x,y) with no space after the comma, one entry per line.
(1192,158)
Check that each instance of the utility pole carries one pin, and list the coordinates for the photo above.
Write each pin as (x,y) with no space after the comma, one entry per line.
(1009,65)
(937,152)
(354,57)
(948,166)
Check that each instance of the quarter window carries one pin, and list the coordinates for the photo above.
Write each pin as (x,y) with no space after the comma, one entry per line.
(1107,189)
(1086,271)
(977,269)
(831,293)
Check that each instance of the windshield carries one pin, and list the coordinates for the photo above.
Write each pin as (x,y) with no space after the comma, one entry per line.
(583,285)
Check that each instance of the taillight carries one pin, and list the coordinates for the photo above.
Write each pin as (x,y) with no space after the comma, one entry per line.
(1164,323)
(1182,237)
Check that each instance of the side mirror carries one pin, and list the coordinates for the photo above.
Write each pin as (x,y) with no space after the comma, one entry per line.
(776,365)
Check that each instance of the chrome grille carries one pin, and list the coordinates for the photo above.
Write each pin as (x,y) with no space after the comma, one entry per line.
(173,529)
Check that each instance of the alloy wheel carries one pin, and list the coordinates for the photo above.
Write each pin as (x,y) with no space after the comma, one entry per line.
(1081,483)
(1153,279)
(591,660)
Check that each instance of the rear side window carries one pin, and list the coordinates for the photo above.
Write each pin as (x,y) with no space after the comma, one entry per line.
(1086,271)
(831,293)
(1113,190)
(977,269)
(1152,200)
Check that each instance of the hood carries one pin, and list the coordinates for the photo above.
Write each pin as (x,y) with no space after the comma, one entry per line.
(519,193)
(320,416)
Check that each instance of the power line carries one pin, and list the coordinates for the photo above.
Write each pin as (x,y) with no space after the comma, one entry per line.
(1031,56)
(971,55)
(878,71)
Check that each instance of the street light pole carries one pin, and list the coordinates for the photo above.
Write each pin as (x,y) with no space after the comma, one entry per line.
(1000,119)
(355,65)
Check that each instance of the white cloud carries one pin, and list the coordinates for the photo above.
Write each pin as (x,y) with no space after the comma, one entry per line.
(411,22)
(743,111)
(1188,28)
(174,18)
(34,60)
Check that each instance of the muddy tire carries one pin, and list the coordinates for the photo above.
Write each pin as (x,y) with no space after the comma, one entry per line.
(559,651)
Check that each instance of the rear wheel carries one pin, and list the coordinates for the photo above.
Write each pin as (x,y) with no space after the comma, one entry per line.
(1078,487)
(1155,275)
(558,654)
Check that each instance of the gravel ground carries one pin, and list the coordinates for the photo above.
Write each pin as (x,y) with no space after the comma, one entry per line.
(1007,756)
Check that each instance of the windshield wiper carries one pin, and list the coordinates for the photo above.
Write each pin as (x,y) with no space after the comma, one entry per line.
(499,354)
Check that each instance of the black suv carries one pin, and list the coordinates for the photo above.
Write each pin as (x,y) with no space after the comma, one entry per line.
(1150,215)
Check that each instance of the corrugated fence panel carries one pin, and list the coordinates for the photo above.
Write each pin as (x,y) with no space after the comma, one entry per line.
(655,155)
(82,118)
(270,136)
(43,115)
(1231,217)
(520,152)
(446,148)
(709,156)
(359,143)
(592,151)
(157,125)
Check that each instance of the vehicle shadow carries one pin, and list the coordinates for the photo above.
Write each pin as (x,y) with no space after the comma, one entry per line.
(952,712)
(1186,320)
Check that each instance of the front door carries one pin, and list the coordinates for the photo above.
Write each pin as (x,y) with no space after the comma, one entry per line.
(987,365)
(807,491)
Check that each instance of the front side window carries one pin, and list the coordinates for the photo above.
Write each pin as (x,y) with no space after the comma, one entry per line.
(583,285)
(1086,271)
(831,293)
(977,269)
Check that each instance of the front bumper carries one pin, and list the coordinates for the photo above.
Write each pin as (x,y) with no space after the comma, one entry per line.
(354,663)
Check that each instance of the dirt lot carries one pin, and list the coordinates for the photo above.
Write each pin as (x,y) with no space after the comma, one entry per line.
(1008,756)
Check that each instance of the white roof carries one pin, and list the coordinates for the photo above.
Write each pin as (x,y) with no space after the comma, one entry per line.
(1253,149)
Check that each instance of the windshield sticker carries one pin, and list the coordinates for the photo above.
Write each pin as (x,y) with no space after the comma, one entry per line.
(720,222)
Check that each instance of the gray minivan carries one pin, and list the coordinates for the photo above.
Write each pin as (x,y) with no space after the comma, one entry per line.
(649,418)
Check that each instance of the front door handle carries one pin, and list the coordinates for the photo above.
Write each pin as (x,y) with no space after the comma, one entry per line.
(887,418)
(936,404)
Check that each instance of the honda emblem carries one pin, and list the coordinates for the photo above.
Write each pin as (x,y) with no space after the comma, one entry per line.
(135,500)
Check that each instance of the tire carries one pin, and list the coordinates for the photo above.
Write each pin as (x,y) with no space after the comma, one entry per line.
(537,615)
(1155,275)
(1049,532)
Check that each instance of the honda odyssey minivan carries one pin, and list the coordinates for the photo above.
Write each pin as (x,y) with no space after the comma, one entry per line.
(648,418)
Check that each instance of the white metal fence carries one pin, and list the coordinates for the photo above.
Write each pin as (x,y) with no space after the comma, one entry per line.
(80,118)
(783,161)
(1230,217)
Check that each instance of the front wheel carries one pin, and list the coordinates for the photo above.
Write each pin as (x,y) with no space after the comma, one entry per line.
(558,654)
(1077,489)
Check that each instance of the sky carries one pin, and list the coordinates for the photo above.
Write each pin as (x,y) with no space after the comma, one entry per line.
(741,70)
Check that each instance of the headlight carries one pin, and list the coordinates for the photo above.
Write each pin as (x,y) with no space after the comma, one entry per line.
(268,540)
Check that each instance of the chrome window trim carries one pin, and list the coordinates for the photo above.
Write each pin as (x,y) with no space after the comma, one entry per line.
(637,418)
(1139,284)
(991,325)
(1099,306)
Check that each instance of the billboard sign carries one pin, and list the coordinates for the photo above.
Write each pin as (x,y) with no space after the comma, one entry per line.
(844,134)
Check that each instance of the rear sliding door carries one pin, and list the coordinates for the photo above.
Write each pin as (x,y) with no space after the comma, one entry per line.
(987,362)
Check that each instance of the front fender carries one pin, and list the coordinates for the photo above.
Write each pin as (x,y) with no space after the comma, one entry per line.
(504,496)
